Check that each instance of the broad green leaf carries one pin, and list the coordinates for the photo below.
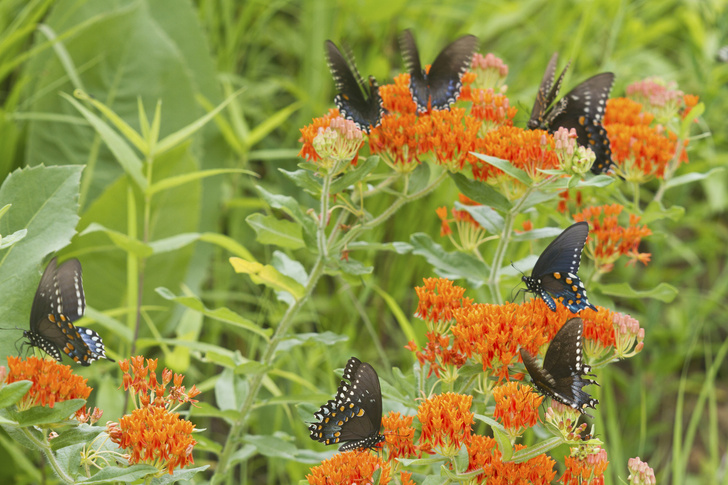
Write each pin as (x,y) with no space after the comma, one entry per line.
(419,178)
(291,207)
(454,265)
(171,182)
(204,409)
(126,474)
(221,314)
(326,338)
(536,198)
(269,276)
(504,443)
(655,211)
(305,179)
(597,181)
(271,230)
(506,167)
(481,192)
(691,177)
(487,217)
(179,475)
(663,292)
(41,415)
(355,174)
(121,240)
(123,153)
(13,392)
(83,433)
(538,449)
(539,233)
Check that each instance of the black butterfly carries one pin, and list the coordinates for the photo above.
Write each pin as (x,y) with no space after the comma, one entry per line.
(440,87)
(58,302)
(555,271)
(355,415)
(357,101)
(560,377)
(582,109)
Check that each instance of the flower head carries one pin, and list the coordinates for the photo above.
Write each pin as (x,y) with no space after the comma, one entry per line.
(629,337)
(640,472)
(585,466)
(657,96)
(350,467)
(516,407)
(400,435)
(340,142)
(309,132)
(142,380)
(446,422)
(155,436)
(52,382)
(469,231)
(491,72)
(574,159)
(484,455)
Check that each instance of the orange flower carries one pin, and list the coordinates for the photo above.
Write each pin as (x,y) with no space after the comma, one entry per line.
(52,382)
(309,132)
(438,298)
(484,455)
(516,406)
(585,466)
(690,101)
(608,240)
(400,435)
(446,420)
(154,436)
(492,110)
(406,478)
(144,384)
(349,467)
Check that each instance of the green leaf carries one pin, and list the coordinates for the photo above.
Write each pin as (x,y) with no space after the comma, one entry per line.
(272,446)
(539,233)
(123,153)
(121,240)
(663,292)
(126,474)
(536,198)
(13,392)
(506,167)
(270,230)
(691,177)
(305,179)
(504,443)
(488,218)
(686,122)
(597,181)
(269,276)
(176,181)
(83,433)
(7,241)
(533,451)
(396,246)
(290,206)
(220,314)
(355,174)
(121,125)
(271,123)
(179,475)
(41,415)
(326,338)
(481,192)
(454,265)
(655,211)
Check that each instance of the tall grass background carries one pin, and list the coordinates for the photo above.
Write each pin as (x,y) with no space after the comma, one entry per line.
(669,405)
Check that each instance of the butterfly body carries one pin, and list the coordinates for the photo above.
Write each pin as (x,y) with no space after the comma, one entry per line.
(439,87)
(357,100)
(554,276)
(58,302)
(582,108)
(355,415)
(563,367)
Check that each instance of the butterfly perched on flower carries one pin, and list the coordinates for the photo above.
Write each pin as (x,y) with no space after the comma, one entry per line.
(560,377)
(354,416)
(439,87)
(59,301)
(554,273)
(357,101)
(582,108)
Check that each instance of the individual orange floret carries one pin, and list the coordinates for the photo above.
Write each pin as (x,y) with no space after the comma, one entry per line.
(52,382)
(154,436)
(516,406)
(400,436)
(446,422)
(350,467)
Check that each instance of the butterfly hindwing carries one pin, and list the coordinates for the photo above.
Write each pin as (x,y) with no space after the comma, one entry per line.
(555,273)
(354,416)
(357,101)
(563,367)
(440,87)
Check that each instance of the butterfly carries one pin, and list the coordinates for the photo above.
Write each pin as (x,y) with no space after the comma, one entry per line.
(355,415)
(357,101)
(59,301)
(582,109)
(560,377)
(555,271)
(440,87)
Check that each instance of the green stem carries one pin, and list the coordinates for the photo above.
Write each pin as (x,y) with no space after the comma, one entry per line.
(46,449)
(324,216)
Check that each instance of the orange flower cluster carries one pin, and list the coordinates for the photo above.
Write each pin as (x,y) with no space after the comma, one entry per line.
(641,151)
(52,382)
(608,240)
(143,382)
(446,422)
(309,132)
(516,406)
(528,150)
(400,435)
(586,466)
(350,467)
(152,433)
(156,437)
(438,299)
(484,455)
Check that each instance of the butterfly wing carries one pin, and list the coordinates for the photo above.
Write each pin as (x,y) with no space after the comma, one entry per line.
(563,367)
(585,107)
(355,415)
(357,102)
(418,83)
(541,115)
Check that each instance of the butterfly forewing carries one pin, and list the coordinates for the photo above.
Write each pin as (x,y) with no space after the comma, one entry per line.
(357,101)
(543,112)
(355,415)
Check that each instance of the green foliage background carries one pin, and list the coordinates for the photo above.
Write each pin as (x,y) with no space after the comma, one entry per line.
(192,56)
